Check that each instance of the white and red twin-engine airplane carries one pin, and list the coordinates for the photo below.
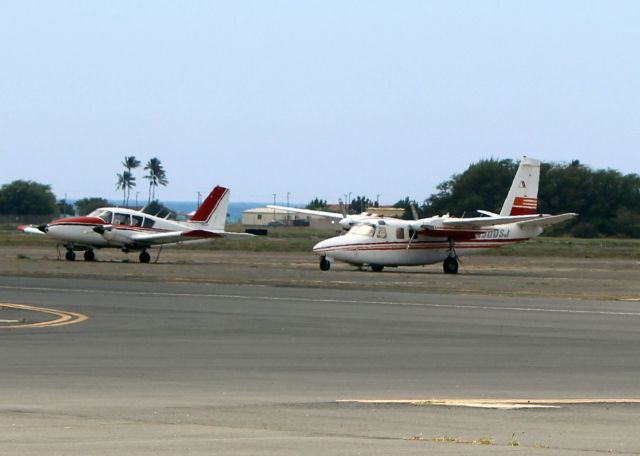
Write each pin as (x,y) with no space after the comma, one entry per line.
(132,230)
(378,242)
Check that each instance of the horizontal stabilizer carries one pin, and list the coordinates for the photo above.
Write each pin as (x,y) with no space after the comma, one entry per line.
(549,219)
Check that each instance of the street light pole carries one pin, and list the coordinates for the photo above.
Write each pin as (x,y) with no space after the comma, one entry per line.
(274,209)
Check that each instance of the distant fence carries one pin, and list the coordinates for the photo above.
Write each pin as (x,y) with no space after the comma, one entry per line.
(20,219)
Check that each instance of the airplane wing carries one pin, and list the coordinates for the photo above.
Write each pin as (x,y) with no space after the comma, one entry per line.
(170,237)
(549,219)
(331,215)
(30,229)
(481,222)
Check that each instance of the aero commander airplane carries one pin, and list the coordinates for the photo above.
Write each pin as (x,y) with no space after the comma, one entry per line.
(378,242)
(131,230)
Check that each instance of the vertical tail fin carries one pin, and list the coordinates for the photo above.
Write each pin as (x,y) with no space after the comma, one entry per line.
(213,211)
(523,195)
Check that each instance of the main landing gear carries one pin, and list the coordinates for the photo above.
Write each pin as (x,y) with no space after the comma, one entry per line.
(144,257)
(70,255)
(450,263)
(325,264)
(89,255)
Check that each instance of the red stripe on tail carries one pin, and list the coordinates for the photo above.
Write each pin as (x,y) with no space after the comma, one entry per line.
(209,205)
(524,206)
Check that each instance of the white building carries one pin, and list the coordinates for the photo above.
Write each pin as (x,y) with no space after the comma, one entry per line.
(264,216)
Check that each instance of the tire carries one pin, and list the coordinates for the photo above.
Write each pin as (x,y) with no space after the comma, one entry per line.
(144,257)
(450,265)
(325,264)
(377,267)
(70,255)
(89,255)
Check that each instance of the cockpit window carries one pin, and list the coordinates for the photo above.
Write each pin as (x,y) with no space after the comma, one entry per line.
(121,219)
(104,215)
(362,230)
(136,220)
(148,223)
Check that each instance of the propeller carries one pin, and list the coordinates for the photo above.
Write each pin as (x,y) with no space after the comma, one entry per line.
(414,211)
(44,228)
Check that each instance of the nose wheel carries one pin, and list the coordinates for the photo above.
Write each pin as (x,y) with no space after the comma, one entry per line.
(325,264)
(89,255)
(70,255)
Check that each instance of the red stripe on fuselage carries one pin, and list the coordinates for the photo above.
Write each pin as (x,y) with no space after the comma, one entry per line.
(386,246)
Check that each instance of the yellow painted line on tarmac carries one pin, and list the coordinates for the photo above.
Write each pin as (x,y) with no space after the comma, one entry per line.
(64,317)
(492,403)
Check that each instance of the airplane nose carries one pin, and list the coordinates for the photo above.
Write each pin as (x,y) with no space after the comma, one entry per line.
(44,228)
(320,246)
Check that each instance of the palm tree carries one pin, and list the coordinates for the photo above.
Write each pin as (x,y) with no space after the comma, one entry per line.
(130,163)
(126,182)
(157,176)
(121,185)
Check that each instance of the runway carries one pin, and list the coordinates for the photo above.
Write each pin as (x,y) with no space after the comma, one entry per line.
(157,367)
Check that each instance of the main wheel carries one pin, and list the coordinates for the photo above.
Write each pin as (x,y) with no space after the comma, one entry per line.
(70,255)
(450,265)
(324,264)
(377,267)
(144,257)
(89,255)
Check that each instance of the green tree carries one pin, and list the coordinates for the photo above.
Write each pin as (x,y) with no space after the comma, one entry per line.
(484,185)
(317,204)
(360,204)
(407,204)
(157,176)
(22,197)
(158,209)
(65,208)
(87,205)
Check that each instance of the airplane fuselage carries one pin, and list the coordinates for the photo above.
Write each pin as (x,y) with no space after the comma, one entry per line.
(392,243)
(93,231)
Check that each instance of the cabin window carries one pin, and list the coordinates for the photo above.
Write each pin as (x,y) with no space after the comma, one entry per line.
(259,216)
(400,233)
(382,232)
(121,219)
(148,223)
(136,220)
(362,230)
(104,215)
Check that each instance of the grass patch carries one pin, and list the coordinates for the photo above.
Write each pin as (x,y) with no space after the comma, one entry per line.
(446,439)
(484,441)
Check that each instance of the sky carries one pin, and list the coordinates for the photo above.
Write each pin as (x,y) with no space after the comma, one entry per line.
(312,98)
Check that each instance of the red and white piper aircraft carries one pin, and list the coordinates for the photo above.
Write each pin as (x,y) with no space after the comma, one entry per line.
(131,230)
(379,242)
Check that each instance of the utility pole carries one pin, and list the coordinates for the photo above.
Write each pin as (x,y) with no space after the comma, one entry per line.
(274,209)
(288,193)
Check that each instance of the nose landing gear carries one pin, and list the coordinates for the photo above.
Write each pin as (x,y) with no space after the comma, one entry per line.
(324,264)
